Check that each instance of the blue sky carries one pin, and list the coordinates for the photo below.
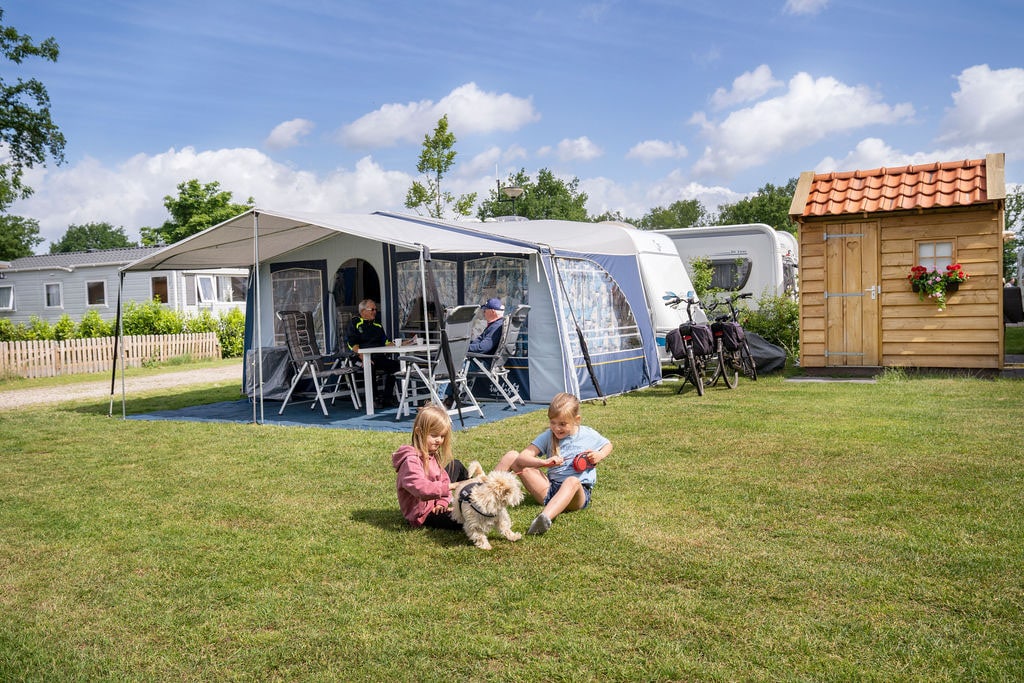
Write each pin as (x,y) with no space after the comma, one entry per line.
(316,105)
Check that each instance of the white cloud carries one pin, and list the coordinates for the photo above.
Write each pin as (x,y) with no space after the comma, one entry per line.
(580,149)
(490,159)
(875,153)
(805,6)
(652,150)
(987,109)
(636,199)
(289,133)
(469,109)
(131,194)
(810,110)
(747,87)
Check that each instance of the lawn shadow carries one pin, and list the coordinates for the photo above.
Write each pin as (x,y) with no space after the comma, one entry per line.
(386,519)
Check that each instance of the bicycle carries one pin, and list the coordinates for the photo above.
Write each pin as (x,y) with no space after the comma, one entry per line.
(692,345)
(731,343)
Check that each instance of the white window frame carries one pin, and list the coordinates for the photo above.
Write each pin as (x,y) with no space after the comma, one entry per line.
(102,304)
(167,287)
(10,306)
(206,294)
(60,294)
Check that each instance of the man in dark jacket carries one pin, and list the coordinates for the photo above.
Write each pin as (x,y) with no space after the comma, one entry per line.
(366,331)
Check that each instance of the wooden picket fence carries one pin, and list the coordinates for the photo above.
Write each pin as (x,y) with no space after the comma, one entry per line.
(75,356)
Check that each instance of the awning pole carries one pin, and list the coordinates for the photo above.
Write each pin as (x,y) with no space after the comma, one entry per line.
(258,309)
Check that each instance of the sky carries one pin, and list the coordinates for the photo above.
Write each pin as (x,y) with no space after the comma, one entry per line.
(322,106)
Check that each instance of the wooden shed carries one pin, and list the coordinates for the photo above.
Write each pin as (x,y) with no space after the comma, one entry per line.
(861,232)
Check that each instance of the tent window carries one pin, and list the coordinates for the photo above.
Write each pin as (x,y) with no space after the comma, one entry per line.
(298,289)
(158,288)
(410,289)
(730,274)
(53,295)
(7,298)
(497,276)
(600,308)
(96,293)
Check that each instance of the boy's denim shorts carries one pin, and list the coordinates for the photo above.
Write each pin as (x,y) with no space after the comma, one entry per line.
(555,485)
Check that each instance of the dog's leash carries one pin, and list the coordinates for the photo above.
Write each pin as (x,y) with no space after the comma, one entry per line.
(464,494)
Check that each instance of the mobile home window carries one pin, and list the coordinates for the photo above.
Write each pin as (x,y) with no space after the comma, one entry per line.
(231,288)
(96,293)
(158,288)
(935,255)
(239,288)
(206,289)
(7,298)
(53,295)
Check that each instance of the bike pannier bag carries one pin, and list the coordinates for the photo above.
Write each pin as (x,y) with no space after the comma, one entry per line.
(674,344)
(702,339)
(732,336)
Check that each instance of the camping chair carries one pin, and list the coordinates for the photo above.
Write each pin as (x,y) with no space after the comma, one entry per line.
(492,366)
(332,376)
(424,377)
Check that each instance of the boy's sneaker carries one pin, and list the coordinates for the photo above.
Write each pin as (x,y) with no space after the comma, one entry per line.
(540,525)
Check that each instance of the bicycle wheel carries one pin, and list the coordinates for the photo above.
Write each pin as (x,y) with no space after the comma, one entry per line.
(695,371)
(727,368)
(747,361)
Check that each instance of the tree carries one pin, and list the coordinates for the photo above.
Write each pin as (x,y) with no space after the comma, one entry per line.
(769,206)
(26,129)
(91,236)
(685,213)
(1014,222)
(18,236)
(196,208)
(437,158)
(548,197)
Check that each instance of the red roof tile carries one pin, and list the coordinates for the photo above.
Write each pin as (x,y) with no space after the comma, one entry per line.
(942,184)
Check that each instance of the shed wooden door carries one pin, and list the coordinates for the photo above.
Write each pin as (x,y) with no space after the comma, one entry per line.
(852,294)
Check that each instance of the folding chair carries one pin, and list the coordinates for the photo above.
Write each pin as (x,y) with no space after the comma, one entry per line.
(492,366)
(332,376)
(424,377)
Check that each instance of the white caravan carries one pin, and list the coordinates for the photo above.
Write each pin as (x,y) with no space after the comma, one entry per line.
(752,258)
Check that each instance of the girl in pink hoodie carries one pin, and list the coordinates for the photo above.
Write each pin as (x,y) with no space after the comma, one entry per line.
(426,471)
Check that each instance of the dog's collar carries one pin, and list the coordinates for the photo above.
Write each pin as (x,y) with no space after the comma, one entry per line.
(464,497)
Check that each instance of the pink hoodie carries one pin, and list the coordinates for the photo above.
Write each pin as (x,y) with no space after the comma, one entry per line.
(419,491)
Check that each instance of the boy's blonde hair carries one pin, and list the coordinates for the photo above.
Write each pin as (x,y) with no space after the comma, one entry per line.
(565,406)
(433,419)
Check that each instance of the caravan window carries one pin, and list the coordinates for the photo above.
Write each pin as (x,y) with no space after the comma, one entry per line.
(96,293)
(7,298)
(591,298)
(730,274)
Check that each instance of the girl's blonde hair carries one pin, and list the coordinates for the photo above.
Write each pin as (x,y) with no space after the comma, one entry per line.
(433,419)
(565,406)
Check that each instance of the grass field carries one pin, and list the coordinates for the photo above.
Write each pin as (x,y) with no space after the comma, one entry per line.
(780,531)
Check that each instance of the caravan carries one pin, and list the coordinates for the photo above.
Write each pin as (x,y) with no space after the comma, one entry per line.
(752,258)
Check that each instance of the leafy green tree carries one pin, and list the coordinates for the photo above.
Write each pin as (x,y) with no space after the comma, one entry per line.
(26,129)
(1014,221)
(18,236)
(769,206)
(615,216)
(547,197)
(436,159)
(196,208)
(91,236)
(685,213)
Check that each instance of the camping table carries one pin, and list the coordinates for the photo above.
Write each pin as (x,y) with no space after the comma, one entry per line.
(394,348)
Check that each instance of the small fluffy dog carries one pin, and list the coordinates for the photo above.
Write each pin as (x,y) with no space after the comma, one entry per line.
(481,503)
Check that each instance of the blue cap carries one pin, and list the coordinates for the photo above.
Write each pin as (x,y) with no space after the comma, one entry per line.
(494,305)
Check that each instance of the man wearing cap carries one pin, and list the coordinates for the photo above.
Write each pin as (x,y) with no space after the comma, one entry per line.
(486,342)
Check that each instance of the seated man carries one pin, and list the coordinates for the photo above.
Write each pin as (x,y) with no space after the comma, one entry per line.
(487,341)
(366,331)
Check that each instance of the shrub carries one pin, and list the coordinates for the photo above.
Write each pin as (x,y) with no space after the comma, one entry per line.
(92,326)
(700,272)
(777,319)
(8,330)
(64,328)
(231,333)
(151,318)
(38,329)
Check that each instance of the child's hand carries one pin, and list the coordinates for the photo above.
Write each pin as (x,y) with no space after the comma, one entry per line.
(440,509)
(554,461)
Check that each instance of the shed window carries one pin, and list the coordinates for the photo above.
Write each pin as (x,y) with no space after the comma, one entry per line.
(7,298)
(96,293)
(53,295)
(158,287)
(935,255)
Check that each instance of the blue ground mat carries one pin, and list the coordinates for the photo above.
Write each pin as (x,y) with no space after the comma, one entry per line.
(341,416)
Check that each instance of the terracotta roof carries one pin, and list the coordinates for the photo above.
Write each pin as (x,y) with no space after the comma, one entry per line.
(925,186)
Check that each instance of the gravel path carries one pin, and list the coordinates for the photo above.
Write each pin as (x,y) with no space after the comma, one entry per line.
(17,398)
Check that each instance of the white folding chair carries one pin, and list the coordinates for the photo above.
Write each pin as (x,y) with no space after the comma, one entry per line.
(492,366)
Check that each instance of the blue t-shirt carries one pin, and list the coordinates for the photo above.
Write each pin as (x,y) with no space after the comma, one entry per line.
(585,439)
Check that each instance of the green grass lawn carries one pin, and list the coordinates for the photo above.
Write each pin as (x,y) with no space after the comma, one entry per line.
(783,530)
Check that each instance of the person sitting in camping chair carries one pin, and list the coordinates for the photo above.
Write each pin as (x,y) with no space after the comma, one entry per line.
(364,330)
(487,341)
